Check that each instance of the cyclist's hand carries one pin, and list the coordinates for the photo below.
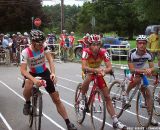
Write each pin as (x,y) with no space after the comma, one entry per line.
(53,78)
(38,82)
(100,71)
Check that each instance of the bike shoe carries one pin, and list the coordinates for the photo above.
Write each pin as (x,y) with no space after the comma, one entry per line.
(26,109)
(154,122)
(119,125)
(71,126)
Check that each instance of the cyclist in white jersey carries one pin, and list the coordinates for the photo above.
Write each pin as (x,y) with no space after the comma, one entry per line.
(137,59)
(34,56)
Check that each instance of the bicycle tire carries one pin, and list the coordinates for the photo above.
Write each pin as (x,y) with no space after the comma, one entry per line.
(156,100)
(98,110)
(31,115)
(80,114)
(37,110)
(115,92)
(142,118)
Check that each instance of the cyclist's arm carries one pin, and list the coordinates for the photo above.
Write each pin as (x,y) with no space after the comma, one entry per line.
(86,68)
(108,67)
(50,61)
(133,69)
(24,72)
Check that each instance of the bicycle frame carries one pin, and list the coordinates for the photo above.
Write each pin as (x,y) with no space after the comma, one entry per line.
(94,87)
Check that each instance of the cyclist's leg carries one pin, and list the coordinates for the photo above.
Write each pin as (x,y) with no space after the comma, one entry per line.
(103,86)
(27,89)
(85,84)
(50,88)
(27,94)
(136,80)
(147,96)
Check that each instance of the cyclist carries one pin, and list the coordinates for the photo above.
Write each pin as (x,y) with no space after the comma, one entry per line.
(136,62)
(92,58)
(34,57)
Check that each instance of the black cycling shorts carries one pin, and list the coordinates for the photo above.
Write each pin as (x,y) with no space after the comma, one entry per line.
(50,88)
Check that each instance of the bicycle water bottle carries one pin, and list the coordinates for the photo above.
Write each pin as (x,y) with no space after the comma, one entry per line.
(145,81)
(128,74)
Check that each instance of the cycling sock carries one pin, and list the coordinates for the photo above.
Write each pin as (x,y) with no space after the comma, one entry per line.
(114,118)
(28,102)
(67,121)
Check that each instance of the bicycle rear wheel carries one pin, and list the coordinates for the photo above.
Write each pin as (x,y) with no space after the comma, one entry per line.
(98,110)
(143,117)
(116,91)
(37,110)
(156,99)
(80,112)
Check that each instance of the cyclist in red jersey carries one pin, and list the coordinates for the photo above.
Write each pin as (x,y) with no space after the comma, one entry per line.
(92,58)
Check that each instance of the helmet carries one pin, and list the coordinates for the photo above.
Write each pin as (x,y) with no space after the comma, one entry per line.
(87,34)
(37,36)
(141,38)
(25,34)
(72,33)
(64,31)
(94,39)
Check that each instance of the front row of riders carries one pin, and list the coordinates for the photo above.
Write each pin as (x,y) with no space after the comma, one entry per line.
(92,57)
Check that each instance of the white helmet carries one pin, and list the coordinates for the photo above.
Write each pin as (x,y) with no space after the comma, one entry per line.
(25,34)
(142,38)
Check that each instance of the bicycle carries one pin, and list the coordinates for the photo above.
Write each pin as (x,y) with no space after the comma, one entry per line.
(94,104)
(156,94)
(117,92)
(36,107)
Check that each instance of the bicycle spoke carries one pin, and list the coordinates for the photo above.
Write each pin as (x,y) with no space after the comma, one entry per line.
(156,98)
(80,112)
(98,110)
(117,97)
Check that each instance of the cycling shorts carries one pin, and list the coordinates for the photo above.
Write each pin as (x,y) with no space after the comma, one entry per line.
(50,88)
(100,81)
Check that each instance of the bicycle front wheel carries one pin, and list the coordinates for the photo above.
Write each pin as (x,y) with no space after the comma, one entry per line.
(37,110)
(143,116)
(156,99)
(116,91)
(98,110)
(80,112)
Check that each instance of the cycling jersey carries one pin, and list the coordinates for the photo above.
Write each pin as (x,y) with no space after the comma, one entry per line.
(92,61)
(137,60)
(34,60)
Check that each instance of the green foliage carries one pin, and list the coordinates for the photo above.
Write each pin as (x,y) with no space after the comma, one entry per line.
(16,14)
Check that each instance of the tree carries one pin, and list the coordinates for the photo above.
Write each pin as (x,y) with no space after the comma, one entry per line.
(16,14)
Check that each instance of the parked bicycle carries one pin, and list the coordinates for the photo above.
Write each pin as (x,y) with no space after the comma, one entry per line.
(95,104)
(36,107)
(117,92)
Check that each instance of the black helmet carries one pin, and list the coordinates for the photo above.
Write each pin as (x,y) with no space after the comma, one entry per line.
(37,36)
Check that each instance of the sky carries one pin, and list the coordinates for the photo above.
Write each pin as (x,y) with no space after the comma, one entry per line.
(66,2)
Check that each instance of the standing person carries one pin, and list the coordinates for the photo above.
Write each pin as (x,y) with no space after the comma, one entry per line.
(62,42)
(137,59)
(34,56)
(154,46)
(92,58)
(71,39)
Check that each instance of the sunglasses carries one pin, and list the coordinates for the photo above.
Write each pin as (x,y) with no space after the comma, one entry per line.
(144,43)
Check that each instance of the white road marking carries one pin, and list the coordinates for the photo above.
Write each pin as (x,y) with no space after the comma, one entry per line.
(59,126)
(5,122)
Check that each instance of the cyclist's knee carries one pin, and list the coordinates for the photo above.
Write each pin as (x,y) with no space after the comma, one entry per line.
(28,84)
(107,97)
(56,98)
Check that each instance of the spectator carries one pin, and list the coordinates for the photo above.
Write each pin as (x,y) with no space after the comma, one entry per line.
(154,46)
(71,39)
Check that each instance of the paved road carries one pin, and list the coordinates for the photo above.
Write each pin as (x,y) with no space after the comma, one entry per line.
(69,75)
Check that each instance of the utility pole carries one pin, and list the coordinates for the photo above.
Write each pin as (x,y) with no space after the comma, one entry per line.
(62,15)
